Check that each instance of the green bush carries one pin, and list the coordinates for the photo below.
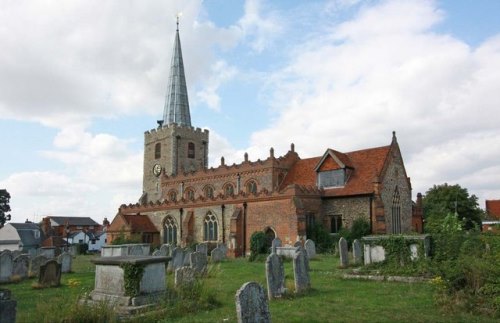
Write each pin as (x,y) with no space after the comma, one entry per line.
(322,239)
(258,244)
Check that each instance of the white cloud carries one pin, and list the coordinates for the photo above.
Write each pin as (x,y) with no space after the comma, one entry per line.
(221,73)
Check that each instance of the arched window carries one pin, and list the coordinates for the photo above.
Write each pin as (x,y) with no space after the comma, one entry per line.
(210,227)
(229,190)
(209,191)
(189,194)
(190,150)
(157,151)
(172,196)
(396,212)
(252,187)
(170,230)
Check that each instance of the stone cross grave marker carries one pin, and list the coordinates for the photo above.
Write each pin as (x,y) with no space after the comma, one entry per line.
(251,304)
(35,264)
(275,276)
(301,272)
(199,262)
(66,260)
(203,248)
(275,244)
(5,265)
(50,274)
(184,276)
(344,256)
(216,255)
(357,252)
(165,250)
(20,266)
(310,247)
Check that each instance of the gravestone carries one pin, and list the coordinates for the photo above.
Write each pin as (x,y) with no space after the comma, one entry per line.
(187,258)
(21,265)
(16,253)
(157,253)
(251,304)
(297,244)
(184,276)
(50,274)
(344,256)
(7,307)
(165,250)
(35,264)
(275,244)
(310,247)
(135,250)
(357,253)
(66,260)
(216,255)
(177,258)
(5,265)
(275,276)
(223,248)
(203,248)
(198,261)
(301,272)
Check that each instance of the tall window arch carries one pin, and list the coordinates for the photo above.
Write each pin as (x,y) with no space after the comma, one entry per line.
(209,191)
(396,212)
(190,150)
(251,187)
(229,190)
(210,232)
(157,150)
(170,230)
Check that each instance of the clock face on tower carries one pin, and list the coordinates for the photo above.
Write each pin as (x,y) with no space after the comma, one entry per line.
(157,170)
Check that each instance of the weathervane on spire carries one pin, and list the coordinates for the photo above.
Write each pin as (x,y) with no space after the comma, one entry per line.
(177,16)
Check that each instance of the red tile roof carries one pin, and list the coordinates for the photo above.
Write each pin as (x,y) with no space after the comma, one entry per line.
(493,208)
(367,164)
(139,223)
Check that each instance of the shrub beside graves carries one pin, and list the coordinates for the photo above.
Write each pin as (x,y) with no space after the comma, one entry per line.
(258,244)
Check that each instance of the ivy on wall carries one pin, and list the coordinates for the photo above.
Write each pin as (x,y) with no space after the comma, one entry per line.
(132,274)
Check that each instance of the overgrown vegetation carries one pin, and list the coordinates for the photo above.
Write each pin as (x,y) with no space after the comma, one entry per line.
(132,275)
(360,228)
(121,239)
(323,240)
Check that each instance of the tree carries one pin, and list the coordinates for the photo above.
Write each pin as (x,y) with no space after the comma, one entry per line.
(4,207)
(442,200)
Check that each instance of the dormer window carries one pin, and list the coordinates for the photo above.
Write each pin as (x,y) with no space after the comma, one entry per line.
(331,178)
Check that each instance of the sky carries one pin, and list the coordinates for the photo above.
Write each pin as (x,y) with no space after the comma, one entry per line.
(82,80)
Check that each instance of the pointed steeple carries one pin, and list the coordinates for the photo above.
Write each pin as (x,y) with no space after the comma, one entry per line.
(176,103)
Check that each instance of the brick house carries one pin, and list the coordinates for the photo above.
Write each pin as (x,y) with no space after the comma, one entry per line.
(57,228)
(492,221)
(133,227)
(188,202)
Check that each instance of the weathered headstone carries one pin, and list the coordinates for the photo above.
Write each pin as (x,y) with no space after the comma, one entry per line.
(187,258)
(223,248)
(7,307)
(216,255)
(50,274)
(357,252)
(66,260)
(301,272)
(251,304)
(310,247)
(203,248)
(16,253)
(35,264)
(165,250)
(275,276)
(157,253)
(198,261)
(5,265)
(344,256)
(21,265)
(297,244)
(184,276)
(275,244)
(177,258)
(135,250)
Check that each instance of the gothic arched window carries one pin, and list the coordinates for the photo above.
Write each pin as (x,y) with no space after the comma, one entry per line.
(170,230)
(252,187)
(210,232)
(396,212)
(157,151)
(229,190)
(209,191)
(190,150)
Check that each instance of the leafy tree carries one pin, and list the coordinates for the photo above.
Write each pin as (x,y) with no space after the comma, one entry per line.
(442,200)
(4,207)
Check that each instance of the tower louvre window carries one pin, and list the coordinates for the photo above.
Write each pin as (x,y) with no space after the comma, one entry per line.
(157,151)
(190,150)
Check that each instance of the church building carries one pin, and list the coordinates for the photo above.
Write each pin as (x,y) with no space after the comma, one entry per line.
(184,201)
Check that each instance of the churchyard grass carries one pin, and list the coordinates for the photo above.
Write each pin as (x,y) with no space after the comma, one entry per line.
(330,299)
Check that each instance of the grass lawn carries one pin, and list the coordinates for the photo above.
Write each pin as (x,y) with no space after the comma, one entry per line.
(331,298)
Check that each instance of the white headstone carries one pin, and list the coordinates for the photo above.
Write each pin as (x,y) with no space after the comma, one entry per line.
(310,247)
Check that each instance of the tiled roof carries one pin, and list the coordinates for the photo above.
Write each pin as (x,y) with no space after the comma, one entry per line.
(139,223)
(73,220)
(25,226)
(367,164)
(493,208)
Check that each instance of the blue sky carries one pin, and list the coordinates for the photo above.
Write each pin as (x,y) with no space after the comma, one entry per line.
(80,81)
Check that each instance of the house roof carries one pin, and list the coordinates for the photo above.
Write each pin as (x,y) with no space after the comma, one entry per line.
(73,220)
(139,223)
(25,226)
(493,209)
(367,165)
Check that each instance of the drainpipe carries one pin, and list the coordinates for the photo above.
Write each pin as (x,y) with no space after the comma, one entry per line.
(244,231)
(223,207)
(181,211)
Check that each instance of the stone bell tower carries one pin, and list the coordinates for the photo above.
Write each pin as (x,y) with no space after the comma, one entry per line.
(175,147)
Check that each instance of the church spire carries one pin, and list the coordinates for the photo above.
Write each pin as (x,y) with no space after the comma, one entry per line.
(176,103)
